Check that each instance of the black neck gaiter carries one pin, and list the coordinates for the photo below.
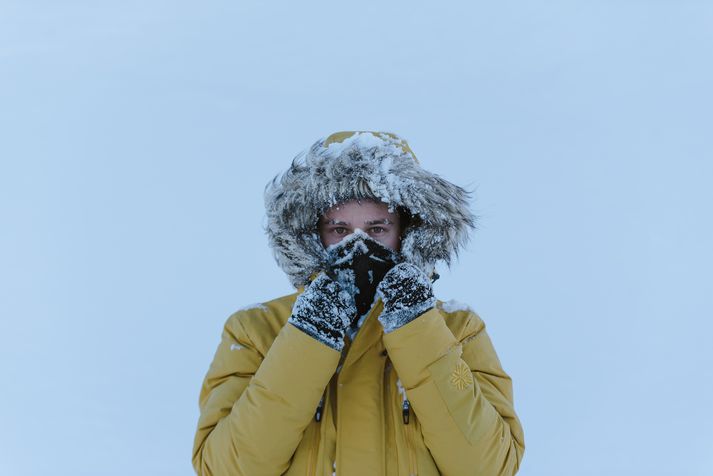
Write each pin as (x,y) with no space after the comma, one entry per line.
(359,263)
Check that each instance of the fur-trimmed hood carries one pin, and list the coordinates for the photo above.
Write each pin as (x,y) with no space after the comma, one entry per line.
(361,165)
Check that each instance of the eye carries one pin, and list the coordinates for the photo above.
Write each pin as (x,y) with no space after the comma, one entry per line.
(339,230)
(377,229)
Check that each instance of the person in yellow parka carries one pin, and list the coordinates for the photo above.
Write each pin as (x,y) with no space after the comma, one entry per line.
(362,371)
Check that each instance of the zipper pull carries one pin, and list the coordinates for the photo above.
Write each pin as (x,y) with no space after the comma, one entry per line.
(405,410)
(320,407)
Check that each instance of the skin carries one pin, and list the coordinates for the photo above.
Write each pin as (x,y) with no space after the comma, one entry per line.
(371,217)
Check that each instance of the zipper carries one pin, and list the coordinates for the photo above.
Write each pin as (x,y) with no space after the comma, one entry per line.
(408,433)
(405,411)
(320,409)
(312,459)
(407,429)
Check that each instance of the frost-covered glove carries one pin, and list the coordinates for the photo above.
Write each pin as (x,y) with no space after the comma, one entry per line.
(324,311)
(359,262)
(406,292)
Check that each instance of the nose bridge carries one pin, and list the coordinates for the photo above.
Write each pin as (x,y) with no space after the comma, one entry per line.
(357,235)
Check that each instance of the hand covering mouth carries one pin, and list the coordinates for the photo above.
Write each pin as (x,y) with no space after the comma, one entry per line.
(359,263)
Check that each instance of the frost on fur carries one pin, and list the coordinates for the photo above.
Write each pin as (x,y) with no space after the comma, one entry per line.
(363,166)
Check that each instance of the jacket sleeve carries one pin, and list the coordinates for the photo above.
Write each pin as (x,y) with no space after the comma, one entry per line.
(254,408)
(461,395)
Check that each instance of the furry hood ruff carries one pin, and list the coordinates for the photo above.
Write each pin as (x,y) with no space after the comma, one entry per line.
(361,165)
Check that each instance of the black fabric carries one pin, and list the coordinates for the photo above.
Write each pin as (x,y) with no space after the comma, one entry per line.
(360,262)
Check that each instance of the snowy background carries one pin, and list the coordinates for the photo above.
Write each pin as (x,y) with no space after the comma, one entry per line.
(136,138)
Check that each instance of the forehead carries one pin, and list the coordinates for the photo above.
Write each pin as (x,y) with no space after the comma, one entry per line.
(359,211)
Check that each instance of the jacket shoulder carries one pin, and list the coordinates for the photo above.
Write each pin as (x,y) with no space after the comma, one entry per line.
(460,318)
(260,323)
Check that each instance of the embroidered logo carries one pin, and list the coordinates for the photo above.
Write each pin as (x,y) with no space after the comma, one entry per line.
(461,378)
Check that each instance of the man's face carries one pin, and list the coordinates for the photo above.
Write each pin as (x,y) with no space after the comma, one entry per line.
(371,217)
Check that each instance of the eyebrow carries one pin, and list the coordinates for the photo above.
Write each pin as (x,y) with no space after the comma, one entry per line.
(383,221)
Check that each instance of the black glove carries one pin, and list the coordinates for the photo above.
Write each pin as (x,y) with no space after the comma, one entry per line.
(359,263)
(323,311)
(406,292)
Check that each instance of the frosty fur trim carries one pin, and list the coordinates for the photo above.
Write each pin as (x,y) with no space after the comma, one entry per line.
(363,165)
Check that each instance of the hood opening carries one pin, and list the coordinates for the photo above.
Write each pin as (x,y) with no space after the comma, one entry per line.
(363,165)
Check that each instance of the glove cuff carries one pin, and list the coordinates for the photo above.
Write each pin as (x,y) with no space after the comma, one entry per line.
(394,319)
(333,338)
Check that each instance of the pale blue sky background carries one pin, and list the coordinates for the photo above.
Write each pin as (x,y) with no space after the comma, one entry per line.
(136,138)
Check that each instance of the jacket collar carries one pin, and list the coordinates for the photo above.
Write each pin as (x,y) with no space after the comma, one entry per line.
(369,334)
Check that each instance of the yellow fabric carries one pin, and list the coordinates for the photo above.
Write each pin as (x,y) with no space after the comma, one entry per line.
(259,397)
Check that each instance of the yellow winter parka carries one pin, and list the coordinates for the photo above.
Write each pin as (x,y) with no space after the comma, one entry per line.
(429,398)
